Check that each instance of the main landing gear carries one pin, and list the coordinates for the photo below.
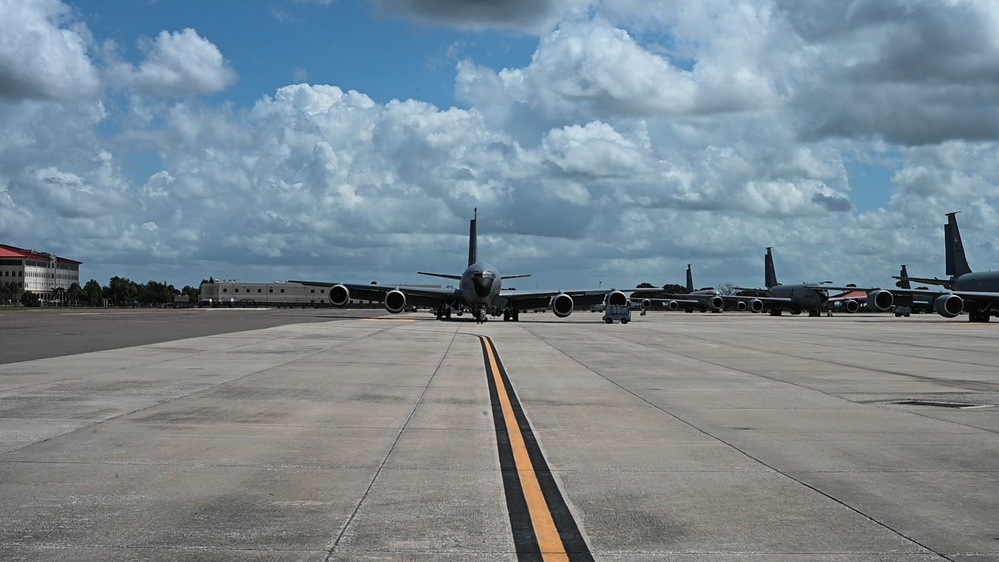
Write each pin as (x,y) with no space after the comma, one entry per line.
(509,315)
(980,315)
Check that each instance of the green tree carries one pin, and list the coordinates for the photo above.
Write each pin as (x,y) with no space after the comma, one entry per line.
(675,289)
(74,294)
(122,291)
(193,294)
(30,299)
(156,293)
(93,294)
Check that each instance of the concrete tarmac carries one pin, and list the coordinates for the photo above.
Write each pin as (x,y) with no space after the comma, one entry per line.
(687,437)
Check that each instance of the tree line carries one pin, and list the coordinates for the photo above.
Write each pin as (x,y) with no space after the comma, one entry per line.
(120,291)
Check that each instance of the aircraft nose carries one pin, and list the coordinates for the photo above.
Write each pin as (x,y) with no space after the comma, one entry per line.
(483,286)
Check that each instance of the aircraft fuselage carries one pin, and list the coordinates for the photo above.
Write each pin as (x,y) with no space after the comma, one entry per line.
(480,285)
(985,281)
(802,296)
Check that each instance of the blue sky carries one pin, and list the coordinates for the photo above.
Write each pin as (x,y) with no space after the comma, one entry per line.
(602,140)
(348,43)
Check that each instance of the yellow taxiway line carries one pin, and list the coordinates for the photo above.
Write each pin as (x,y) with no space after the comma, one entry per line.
(547,534)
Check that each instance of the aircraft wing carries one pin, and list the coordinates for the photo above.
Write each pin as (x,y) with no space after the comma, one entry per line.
(976,296)
(839,288)
(972,296)
(784,300)
(926,280)
(678,299)
(416,296)
(930,296)
(525,300)
(755,290)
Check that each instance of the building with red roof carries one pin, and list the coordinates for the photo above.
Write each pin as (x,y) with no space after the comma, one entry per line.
(30,270)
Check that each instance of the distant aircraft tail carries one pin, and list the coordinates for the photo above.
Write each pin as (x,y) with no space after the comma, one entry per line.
(690,280)
(771,272)
(957,262)
(903,279)
(473,244)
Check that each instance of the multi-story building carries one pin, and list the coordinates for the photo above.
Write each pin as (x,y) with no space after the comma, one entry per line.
(39,272)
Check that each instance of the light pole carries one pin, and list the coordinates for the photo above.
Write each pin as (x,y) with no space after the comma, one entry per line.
(600,284)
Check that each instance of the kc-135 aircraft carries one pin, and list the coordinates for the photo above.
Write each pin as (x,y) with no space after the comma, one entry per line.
(703,299)
(813,297)
(976,293)
(479,292)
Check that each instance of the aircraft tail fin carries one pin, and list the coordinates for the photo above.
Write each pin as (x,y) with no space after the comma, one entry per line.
(771,272)
(690,280)
(903,279)
(473,244)
(957,262)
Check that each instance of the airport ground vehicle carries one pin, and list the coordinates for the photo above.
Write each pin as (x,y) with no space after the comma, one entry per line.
(619,312)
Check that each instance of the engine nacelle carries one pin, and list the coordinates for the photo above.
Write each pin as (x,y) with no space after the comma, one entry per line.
(741,306)
(716,303)
(339,295)
(671,305)
(851,306)
(880,300)
(646,304)
(948,306)
(395,301)
(616,298)
(562,305)
(755,305)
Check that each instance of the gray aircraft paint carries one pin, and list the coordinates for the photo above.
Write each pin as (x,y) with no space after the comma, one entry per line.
(793,298)
(966,291)
(705,300)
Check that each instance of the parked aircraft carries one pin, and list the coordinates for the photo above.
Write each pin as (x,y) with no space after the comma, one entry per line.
(813,297)
(966,291)
(479,292)
(703,299)
(906,304)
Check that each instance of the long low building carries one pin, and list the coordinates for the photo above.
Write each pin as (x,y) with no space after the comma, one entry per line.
(233,293)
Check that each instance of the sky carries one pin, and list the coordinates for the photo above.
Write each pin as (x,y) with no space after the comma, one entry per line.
(604,142)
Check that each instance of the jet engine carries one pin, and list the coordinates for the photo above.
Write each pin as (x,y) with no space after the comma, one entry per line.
(851,306)
(948,306)
(616,298)
(671,305)
(339,295)
(741,306)
(562,305)
(880,300)
(646,304)
(716,303)
(755,305)
(395,301)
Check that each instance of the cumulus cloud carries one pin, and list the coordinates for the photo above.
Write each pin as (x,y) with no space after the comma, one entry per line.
(911,73)
(43,52)
(593,68)
(178,64)
(594,150)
